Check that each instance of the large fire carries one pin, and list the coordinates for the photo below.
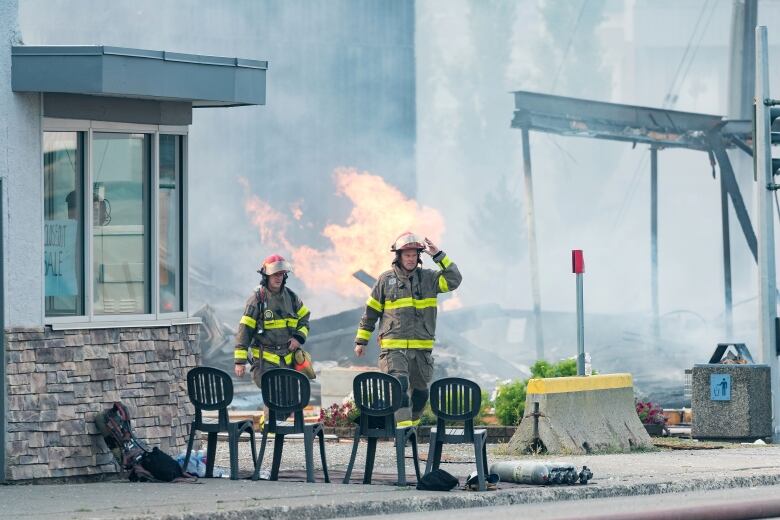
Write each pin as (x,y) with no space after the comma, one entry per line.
(380,212)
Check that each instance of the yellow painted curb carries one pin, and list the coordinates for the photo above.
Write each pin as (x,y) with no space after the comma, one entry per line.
(558,385)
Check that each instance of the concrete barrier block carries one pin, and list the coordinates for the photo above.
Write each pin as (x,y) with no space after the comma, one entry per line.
(581,415)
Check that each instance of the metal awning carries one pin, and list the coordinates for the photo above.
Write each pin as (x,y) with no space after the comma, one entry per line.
(203,81)
(636,124)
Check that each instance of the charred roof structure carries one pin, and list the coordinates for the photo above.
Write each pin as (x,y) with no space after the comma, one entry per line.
(656,127)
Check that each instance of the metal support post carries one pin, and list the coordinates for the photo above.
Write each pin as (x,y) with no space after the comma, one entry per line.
(726,237)
(578,268)
(767,283)
(654,243)
(531,223)
(580,329)
(737,266)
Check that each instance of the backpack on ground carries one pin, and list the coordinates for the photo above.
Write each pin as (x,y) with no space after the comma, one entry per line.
(161,466)
(142,463)
(437,480)
(115,427)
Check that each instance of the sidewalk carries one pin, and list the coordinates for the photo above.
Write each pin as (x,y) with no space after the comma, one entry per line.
(614,475)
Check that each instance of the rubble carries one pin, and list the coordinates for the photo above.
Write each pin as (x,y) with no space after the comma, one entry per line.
(491,344)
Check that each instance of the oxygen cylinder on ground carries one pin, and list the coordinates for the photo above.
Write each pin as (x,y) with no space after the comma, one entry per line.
(522,472)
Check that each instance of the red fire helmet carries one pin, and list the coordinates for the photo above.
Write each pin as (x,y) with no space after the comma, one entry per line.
(408,240)
(275,264)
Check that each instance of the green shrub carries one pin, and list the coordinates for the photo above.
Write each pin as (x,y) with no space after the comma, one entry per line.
(510,399)
(542,369)
(510,402)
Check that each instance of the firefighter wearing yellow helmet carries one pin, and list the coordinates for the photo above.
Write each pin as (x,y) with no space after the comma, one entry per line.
(405,299)
(275,322)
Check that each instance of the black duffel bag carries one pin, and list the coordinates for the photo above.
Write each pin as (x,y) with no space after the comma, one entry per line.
(161,465)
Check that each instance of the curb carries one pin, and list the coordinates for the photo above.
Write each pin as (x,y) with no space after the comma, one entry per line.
(408,503)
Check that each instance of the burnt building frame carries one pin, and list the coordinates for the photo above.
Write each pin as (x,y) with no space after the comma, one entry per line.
(657,128)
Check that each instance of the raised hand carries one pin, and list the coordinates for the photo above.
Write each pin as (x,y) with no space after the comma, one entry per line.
(431,248)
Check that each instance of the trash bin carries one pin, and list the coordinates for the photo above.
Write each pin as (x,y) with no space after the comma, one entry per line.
(731,396)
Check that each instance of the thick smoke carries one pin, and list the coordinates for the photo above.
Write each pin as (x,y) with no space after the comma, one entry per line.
(418,94)
(341,92)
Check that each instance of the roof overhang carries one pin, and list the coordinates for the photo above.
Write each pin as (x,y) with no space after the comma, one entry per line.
(636,124)
(203,81)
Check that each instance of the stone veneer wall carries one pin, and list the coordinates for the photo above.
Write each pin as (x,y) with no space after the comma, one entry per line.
(59,380)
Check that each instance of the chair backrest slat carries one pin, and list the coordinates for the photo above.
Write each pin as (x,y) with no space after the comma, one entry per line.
(210,389)
(376,394)
(377,397)
(285,391)
(455,399)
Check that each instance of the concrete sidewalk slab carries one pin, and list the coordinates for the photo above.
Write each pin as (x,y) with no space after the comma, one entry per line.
(615,475)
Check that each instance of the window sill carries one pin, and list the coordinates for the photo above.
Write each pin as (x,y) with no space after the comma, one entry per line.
(129,324)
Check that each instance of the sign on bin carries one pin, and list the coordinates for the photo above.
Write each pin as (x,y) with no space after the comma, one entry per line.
(720,387)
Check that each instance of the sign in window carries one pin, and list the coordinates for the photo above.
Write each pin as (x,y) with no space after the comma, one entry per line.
(63,234)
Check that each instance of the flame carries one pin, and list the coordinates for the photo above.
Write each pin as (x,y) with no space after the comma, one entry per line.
(380,212)
(270,224)
(295,209)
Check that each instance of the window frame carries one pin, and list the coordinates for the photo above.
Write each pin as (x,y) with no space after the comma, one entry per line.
(155,317)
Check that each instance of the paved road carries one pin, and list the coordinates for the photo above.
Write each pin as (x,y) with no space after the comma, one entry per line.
(644,473)
(656,505)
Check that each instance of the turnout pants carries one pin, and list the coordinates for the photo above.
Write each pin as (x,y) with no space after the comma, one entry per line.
(414,369)
(262,365)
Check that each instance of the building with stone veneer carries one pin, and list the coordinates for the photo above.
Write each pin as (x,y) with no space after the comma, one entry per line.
(58,381)
(94,295)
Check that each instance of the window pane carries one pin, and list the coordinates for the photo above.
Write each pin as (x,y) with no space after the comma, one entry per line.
(63,210)
(170,223)
(120,223)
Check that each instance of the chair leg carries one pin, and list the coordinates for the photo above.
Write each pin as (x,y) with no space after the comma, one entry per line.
(479,444)
(259,460)
(370,455)
(437,452)
(233,449)
(321,435)
(308,448)
(415,456)
(252,441)
(400,444)
(211,452)
(189,447)
(278,446)
(355,442)
(431,452)
(484,457)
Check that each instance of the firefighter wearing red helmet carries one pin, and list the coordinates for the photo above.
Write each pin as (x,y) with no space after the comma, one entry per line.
(275,322)
(404,298)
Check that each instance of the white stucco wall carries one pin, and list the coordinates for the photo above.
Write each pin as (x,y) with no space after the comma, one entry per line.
(20,169)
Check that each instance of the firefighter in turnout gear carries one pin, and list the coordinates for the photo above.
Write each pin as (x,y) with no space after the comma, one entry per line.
(275,323)
(405,299)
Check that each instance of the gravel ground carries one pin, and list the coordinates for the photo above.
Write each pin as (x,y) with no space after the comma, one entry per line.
(338,454)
